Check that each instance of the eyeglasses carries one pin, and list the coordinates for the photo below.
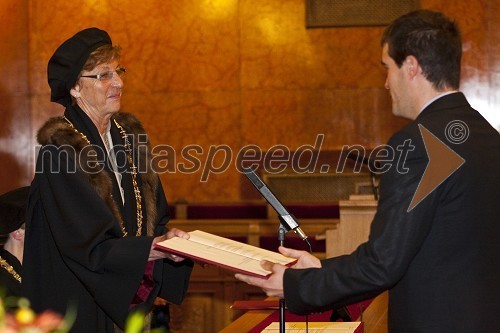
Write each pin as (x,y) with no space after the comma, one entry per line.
(106,76)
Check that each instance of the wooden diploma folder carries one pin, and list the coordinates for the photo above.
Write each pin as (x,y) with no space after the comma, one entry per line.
(220,251)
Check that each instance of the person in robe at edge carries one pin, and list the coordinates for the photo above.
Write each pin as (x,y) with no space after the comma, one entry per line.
(438,258)
(12,218)
(96,208)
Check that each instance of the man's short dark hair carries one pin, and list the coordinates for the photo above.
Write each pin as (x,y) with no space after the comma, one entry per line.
(433,39)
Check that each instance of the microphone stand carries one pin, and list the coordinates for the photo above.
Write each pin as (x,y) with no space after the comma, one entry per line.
(281,238)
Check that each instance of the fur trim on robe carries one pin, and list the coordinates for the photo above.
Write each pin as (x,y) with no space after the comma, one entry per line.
(56,131)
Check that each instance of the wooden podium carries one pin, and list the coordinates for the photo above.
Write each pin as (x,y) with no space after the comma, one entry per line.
(247,322)
(356,215)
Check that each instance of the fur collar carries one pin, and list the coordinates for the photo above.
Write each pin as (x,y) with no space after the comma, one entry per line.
(57,132)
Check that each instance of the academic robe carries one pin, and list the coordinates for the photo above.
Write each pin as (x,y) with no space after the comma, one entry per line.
(76,256)
(9,285)
(439,259)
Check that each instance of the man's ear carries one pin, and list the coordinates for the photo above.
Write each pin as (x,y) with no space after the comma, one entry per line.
(412,66)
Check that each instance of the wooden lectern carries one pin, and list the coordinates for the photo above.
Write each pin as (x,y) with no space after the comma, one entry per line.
(356,215)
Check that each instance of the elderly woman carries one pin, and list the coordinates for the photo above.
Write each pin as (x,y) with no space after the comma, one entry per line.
(96,208)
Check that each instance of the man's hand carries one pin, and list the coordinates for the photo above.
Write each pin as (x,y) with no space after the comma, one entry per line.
(155,254)
(304,259)
(273,286)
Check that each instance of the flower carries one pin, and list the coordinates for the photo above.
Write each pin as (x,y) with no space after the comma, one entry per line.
(23,319)
(135,324)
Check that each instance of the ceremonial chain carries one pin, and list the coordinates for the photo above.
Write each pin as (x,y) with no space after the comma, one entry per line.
(10,269)
(137,191)
(77,131)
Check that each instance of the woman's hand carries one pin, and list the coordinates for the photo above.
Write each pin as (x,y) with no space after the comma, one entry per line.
(155,254)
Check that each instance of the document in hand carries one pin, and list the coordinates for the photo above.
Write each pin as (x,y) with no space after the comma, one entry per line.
(224,252)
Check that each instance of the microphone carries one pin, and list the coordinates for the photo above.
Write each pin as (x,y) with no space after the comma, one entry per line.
(288,221)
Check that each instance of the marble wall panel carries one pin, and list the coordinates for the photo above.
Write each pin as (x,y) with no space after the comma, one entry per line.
(295,118)
(239,72)
(15,143)
(277,51)
(198,133)
(167,45)
(14,96)
(493,54)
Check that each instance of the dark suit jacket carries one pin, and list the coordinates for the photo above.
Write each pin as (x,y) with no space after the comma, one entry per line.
(438,260)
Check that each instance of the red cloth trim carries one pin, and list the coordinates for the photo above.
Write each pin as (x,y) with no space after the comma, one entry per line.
(146,286)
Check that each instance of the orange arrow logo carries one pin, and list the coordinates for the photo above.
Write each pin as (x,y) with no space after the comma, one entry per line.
(443,162)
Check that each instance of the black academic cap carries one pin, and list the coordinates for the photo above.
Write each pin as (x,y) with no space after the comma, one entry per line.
(12,209)
(68,60)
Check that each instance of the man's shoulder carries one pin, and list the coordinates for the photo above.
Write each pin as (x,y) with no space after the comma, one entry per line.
(409,132)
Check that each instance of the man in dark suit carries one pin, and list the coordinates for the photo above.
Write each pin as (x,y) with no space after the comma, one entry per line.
(434,241)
